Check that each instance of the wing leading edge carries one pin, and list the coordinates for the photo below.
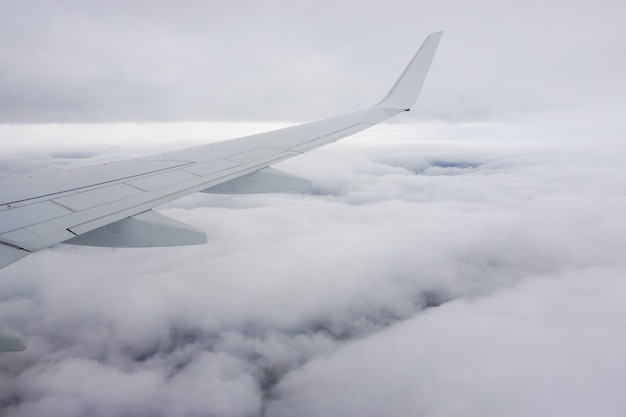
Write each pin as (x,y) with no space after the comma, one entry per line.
(110,204)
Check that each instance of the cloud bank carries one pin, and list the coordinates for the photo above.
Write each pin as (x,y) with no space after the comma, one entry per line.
(423,275)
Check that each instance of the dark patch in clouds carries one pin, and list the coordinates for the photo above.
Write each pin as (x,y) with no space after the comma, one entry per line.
(455,164)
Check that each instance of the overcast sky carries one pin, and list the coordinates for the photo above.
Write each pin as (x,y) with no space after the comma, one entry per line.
(86,61)
(466,259)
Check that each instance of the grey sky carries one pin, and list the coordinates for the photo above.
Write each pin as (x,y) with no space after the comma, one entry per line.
(466,259)
(69,61)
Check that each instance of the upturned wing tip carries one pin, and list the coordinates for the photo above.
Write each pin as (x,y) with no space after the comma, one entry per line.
(408,87)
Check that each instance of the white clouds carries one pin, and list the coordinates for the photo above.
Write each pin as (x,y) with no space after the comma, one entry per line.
(549,346)
(312,304)
(215,382)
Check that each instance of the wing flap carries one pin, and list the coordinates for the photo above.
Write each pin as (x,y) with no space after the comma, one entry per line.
(18,217)
(164,179)
(92,198)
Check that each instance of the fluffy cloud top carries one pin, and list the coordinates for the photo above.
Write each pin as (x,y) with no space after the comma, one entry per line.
(424,274)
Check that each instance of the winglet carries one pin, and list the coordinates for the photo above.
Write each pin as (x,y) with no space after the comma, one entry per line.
(405,91)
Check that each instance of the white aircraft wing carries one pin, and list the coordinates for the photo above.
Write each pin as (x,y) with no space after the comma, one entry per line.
(110,204)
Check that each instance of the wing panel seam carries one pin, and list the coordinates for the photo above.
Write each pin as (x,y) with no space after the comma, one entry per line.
(97,185)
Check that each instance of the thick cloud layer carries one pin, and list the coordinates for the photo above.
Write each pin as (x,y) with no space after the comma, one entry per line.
(434,270)
(551,346)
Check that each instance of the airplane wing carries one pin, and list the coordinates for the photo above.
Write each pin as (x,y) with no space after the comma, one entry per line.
(111,204)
